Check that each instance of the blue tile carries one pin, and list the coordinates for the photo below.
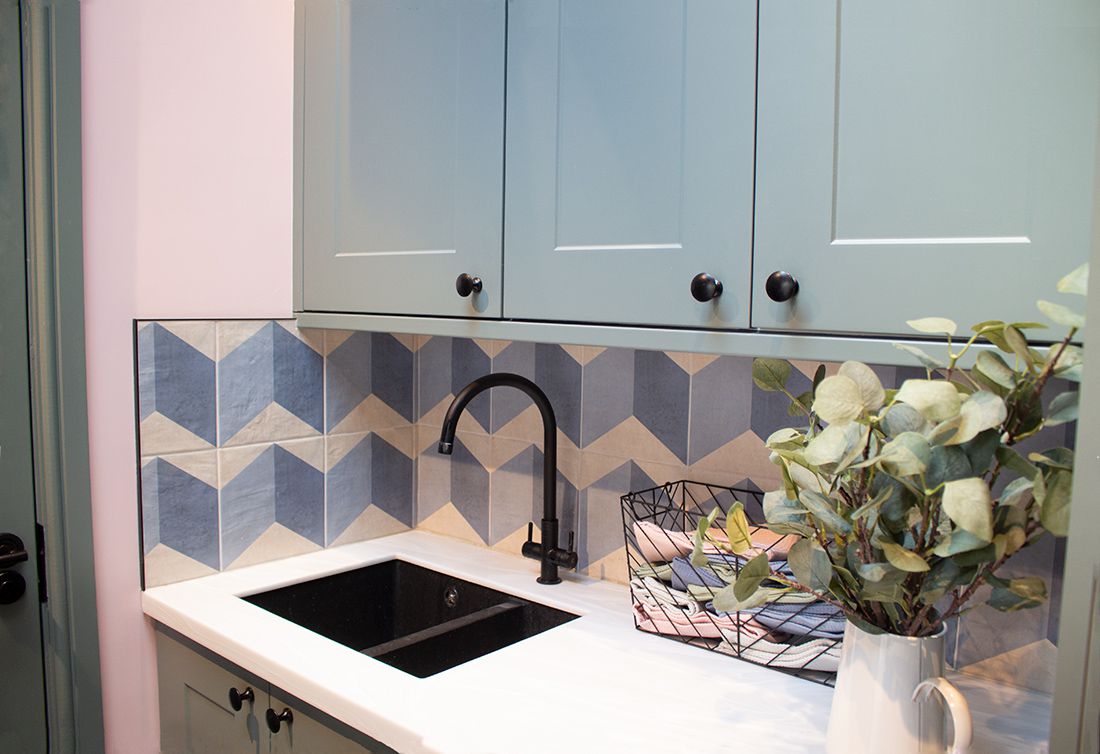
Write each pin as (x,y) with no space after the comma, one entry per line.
(298,372)
(392,373)
(299,496)
(176,380)
(348,376)
(433,373)
(661,395)
(468,362)
(248,505)
(516,494)
(470,489)
(559,376)
(608,393)
(246,382)
(349,488)
(721,404)
(392,481)
(516,358)
(187,512)
(600,523)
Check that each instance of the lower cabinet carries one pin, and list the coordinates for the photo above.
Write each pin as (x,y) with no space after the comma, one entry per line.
(197,715)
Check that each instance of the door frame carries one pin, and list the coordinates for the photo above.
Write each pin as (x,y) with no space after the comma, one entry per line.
(55,302)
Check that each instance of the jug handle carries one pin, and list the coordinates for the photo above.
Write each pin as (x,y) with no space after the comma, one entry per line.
(956,704)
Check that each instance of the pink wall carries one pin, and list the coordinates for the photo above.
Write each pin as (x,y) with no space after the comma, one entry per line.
(187,213)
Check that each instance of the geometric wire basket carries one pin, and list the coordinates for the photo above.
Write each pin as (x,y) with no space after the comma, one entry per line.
(798,634)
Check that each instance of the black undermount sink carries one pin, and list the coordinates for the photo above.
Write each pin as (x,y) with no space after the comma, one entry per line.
(415,619)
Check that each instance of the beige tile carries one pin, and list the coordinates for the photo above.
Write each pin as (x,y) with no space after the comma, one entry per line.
(199,334)
(163,565)
(160,435)
(275,543)
(203,464)
(232,333)
(449,522)
(370,415)
(371,524)
(631,439)
(273,424)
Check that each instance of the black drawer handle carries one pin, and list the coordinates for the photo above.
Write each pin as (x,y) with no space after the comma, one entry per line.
(238,698)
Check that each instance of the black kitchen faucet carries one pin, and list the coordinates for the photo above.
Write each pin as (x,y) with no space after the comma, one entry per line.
(548,553)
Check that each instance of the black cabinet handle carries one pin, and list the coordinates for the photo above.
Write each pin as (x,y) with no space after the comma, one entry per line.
(12,587)
(705,287)
(276,719)
(466,284)
(238,698)
(781,286)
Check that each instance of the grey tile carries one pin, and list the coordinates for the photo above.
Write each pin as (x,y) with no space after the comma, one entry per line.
(392,480)
(347,377)
(559,376)
(507,404)
(608,393)
(298,374)
(721,404)
(392,373)
(246,383)
(433,373)
(516,494)
(468,362)
(470,489)
(349,488)
(661,395)
(600,523)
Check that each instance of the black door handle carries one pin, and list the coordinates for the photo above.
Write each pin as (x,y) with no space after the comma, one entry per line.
(276,719)
(12,550)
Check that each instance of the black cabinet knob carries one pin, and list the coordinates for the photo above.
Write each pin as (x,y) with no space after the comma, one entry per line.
(781,286)
(465,285)
(12,587)
(238,698)
(276,719)
(705,287)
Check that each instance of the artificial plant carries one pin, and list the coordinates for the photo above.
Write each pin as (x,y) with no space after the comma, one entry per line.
(905,502)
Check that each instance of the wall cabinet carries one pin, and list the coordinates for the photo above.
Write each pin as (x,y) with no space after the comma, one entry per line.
(196,716)
(587,158)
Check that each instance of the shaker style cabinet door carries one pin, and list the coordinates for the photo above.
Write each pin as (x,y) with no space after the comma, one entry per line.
(629,160)
(401,108)
(922,159)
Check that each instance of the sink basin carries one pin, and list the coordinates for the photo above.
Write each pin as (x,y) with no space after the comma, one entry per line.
(412,618)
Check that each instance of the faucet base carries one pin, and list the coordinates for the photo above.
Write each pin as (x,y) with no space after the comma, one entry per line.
(541,580)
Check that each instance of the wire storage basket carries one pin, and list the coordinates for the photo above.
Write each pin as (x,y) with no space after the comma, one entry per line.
(795,633)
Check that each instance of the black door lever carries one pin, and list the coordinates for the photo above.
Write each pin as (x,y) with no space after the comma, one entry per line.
(12,550)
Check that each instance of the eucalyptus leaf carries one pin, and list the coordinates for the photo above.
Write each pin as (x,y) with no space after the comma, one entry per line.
(1055,511)
(1055,458)
(979,412)
(1018,343)
(785,437)
(933,325)
(874,571)
(997,338)
(800,406)
(834,444)
(770,375)
(968,503)
(698,557)
(870,387)
(838,400)
(1018,492)
(1019,594)
(737,529)
(901,417)
(890,588)
(780,509)
(819,375)
(941,577)
(989,324)
(936,400)
(980,450)
(726,600)
(949,462)
(957,542)
(1012,460)
(907,454)
(823,509)
(993,366)
(1064,408)
(810,564)
(1061,315)
(977,557)
(928,362)
(903,559)
(752,575)
(1076,281)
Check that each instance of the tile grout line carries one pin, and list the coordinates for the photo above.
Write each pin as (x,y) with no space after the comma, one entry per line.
(218,435)
(325,437)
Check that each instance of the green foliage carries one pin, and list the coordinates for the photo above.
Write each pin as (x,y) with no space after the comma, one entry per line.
(892,492)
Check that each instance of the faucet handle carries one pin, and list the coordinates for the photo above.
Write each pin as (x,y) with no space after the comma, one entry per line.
(530,531)
(572,538)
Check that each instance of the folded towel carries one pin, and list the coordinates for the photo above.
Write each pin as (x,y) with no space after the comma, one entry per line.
(816,619)
(719,571)
(660,545)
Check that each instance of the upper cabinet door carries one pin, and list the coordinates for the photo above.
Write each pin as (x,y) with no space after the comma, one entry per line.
(629,159)
(402,120)
(916,159)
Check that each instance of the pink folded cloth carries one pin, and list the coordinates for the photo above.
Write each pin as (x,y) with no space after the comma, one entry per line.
(660,545)
(660,609)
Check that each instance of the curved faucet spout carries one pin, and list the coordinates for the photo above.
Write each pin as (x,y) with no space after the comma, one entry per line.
(548,552)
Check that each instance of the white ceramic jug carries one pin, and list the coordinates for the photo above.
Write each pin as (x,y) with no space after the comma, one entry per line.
(882,700)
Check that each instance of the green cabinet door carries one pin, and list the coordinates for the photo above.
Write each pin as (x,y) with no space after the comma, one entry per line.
(629,160)
(400,110)
(919,159)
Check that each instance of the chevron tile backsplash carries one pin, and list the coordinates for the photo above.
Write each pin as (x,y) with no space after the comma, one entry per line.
(259,441)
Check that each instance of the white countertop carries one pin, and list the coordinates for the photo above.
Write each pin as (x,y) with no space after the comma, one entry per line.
(594,684)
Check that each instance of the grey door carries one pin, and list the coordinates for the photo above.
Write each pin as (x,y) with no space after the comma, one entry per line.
(629,160)
(23,705)
(922,159)
(402,127)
